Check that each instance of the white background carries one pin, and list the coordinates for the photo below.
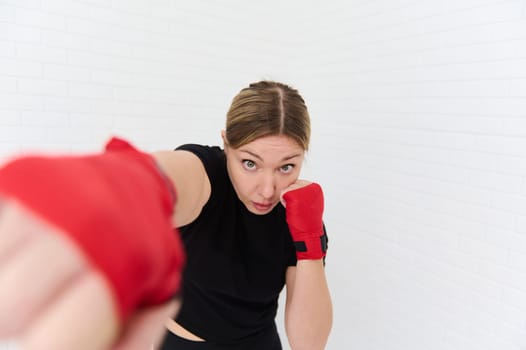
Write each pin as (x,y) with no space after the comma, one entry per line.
(419,139)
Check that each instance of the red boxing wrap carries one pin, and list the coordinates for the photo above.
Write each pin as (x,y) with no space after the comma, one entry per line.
(116,207)
(304,211)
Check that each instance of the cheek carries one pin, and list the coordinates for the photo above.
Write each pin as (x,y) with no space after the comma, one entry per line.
(242,183)
(242,187)
(285,182)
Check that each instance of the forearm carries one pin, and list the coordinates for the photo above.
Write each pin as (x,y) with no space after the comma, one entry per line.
(308,317)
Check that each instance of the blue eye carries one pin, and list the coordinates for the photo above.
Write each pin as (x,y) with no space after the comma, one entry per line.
(248,164)
(287,168)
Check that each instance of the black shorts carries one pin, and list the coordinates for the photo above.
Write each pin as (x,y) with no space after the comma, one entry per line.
(265,340)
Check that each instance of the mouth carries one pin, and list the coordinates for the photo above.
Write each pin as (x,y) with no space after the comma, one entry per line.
(262,206)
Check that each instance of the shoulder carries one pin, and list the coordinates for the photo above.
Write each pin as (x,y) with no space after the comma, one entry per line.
(198,148)
(204,152)
(189,168)
(211,157)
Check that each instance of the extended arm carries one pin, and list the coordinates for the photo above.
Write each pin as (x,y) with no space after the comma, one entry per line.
(92,236)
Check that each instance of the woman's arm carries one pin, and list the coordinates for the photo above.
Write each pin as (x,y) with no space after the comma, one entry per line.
(187,173)
(102,224)
(308,312)
(308,309)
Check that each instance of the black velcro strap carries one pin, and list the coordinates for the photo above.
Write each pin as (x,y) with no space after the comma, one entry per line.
(300,246)
(323,241)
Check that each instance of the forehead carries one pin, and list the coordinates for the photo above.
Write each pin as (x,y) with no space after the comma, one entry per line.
(274,147)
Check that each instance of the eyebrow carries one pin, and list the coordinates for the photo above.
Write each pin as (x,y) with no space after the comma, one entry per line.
(261,159)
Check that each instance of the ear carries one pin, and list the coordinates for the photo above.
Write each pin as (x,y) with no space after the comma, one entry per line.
(223,136)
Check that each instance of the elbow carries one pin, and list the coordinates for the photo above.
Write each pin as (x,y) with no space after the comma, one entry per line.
(308,324)
(308,343)
(309,339)
(307,346)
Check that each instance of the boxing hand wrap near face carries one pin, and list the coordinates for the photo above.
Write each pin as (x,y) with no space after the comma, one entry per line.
(116,207)
(304,211)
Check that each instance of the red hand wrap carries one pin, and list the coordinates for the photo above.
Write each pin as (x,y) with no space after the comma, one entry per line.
(304,211)
(117,207)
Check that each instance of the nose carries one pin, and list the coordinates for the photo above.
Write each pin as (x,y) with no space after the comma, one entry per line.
(267,186)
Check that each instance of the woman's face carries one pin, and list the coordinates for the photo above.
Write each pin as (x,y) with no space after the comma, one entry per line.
(261,169)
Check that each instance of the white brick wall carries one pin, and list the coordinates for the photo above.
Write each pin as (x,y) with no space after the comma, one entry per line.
(429,145)
(419,116)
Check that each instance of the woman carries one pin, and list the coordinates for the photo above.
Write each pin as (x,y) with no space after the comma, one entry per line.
(249,227)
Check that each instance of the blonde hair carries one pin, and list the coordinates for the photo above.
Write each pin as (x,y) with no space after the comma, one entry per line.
(267,108)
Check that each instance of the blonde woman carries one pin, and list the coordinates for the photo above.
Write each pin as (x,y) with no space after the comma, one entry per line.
(248,226)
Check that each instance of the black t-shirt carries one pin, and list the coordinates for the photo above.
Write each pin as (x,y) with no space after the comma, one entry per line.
(236,261)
